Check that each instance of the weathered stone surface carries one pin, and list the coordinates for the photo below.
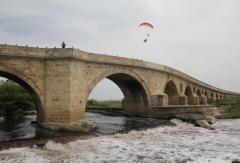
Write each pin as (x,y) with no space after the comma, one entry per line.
(81,126)
(60,81)
(190,112)
(190,116)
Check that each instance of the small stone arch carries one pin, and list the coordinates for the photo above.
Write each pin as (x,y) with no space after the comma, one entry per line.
(206,94)
(27,84)
(189,94)
(172,93)
(212,96)
(199,96)
(198,92)
(133,87)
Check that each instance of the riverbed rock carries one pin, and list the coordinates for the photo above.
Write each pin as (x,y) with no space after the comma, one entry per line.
(204,124)
(211,120)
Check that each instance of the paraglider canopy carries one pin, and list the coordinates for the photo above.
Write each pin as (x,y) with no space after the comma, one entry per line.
(147,27)
(146,24)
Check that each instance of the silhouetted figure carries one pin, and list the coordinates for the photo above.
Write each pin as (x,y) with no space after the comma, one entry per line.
(63,44)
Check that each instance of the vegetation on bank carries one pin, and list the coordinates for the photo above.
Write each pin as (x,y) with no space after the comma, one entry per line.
(14,100)
(104,103)
(227,102)
(228,108)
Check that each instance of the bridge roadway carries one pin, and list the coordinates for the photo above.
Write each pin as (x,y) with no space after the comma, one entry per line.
(60,81)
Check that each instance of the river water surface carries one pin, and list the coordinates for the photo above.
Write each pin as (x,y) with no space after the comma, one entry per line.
(106,124)
(166,143)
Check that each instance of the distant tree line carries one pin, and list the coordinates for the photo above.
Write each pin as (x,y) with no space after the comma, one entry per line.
(14,100)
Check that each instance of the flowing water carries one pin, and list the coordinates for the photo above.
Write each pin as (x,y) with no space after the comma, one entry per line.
(180,143)
(106,124)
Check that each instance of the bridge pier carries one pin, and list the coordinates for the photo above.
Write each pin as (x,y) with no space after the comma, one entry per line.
(195,100)
(203,100)
(159,100)
(183,99)
(64,106)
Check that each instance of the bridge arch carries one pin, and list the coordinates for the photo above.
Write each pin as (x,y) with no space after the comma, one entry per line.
(135,91)
(189,94)
(172,92)
(199,96)
(28,85)
(206,94)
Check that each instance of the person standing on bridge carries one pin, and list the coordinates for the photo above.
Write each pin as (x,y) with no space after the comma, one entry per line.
(63,44)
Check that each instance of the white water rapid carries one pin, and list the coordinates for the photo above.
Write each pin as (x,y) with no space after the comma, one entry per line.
(181,143)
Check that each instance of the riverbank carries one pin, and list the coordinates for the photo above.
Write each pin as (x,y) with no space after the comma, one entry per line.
(227,112)
(227,108)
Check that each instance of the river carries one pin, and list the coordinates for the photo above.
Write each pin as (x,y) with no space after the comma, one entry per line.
(106,124)
(181,142)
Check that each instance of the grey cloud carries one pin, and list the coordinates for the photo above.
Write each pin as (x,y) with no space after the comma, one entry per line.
(200,38)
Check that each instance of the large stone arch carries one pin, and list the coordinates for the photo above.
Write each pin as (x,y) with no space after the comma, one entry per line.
(134,88)
(172,93)
(29,85)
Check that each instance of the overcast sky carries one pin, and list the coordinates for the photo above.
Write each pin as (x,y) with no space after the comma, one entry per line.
(198,37)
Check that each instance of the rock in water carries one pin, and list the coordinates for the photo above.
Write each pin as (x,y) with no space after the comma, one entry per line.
(204,124)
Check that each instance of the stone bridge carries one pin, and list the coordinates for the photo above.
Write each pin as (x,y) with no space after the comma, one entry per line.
(60,81)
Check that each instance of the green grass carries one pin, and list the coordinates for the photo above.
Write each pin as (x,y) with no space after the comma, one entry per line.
(229,112)
(229,108)
(104,103)
(227,102)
